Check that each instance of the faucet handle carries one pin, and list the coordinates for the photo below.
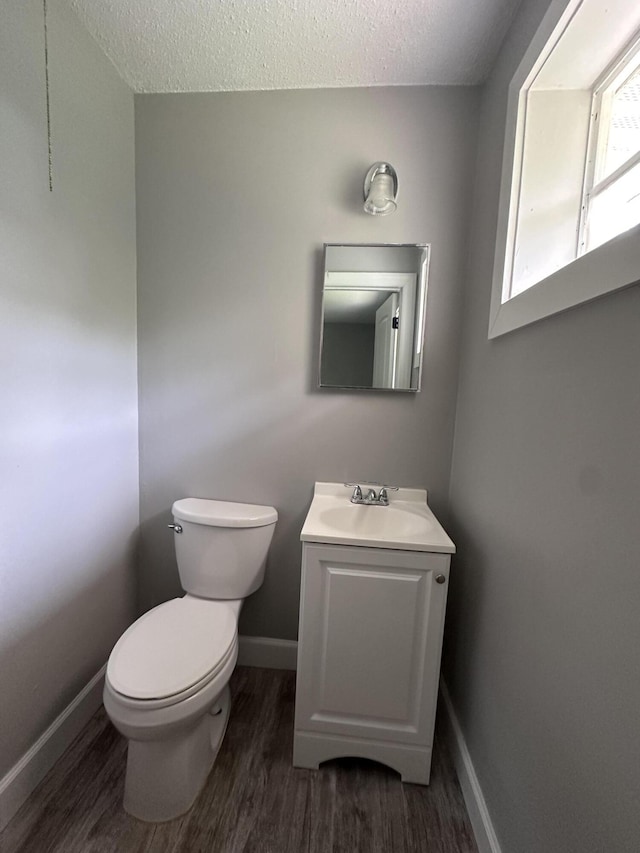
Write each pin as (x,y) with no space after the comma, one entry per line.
(383,496)
(357,491)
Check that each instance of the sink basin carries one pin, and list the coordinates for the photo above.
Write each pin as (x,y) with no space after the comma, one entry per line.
(406,524)
(372,521)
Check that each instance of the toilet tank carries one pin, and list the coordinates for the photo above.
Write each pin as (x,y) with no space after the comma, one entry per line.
(222,549)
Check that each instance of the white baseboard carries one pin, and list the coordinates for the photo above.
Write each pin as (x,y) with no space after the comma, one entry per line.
(479,816)
(268,652)
(27,774)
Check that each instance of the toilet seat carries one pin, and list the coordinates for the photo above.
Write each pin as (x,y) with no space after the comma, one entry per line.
(173,651)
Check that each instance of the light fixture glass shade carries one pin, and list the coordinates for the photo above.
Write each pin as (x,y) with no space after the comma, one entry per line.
(380,190)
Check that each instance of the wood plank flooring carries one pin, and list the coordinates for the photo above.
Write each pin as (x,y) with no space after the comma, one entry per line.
(254,800)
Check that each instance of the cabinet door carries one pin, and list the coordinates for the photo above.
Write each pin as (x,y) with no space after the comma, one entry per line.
(370,642)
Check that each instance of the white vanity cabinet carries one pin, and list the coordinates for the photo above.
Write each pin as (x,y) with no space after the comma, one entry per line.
(370,639)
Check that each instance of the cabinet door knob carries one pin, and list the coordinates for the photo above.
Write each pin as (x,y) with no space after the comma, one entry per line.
(440,579)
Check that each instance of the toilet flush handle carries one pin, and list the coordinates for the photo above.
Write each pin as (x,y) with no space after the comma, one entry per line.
(177,528)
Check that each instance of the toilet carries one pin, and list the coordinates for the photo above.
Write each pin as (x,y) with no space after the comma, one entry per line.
(166,687)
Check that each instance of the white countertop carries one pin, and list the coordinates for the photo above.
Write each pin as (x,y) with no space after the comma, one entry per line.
(407,524)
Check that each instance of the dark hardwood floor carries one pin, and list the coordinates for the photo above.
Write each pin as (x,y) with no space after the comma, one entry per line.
(254,800)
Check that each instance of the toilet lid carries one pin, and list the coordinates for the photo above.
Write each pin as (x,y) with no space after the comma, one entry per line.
(172,647)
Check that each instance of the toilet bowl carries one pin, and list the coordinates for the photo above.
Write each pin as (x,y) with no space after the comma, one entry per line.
(166,687)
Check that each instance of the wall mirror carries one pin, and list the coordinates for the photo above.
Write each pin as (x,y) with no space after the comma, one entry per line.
(373,312)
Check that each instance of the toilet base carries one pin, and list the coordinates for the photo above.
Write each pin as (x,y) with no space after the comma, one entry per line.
(164,777)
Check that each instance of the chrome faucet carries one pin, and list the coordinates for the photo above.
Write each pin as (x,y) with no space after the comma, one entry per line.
(381,499)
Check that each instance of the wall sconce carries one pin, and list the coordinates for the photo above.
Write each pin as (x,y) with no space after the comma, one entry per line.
(380,190)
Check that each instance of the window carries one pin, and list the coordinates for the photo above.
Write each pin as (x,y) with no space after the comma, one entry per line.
(611,202)
(569,219)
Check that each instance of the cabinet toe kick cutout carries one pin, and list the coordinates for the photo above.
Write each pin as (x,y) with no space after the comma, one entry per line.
(413,763)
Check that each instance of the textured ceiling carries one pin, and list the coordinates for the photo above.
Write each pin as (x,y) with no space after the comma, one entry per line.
(230,45)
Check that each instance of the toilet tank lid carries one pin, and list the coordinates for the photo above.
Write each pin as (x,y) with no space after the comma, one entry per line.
(223,513)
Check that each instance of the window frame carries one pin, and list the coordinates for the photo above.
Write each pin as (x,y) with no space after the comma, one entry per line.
(621,69)
(610,267)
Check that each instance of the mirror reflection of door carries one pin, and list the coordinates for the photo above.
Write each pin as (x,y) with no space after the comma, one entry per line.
(385,343)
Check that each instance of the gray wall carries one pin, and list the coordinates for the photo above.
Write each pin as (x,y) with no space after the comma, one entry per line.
(236,194)
(543,627)
(68,454)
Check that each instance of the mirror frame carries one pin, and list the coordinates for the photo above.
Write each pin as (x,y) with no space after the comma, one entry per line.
(421,316)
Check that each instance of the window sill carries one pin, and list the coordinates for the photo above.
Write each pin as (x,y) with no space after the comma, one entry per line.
(608,268)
